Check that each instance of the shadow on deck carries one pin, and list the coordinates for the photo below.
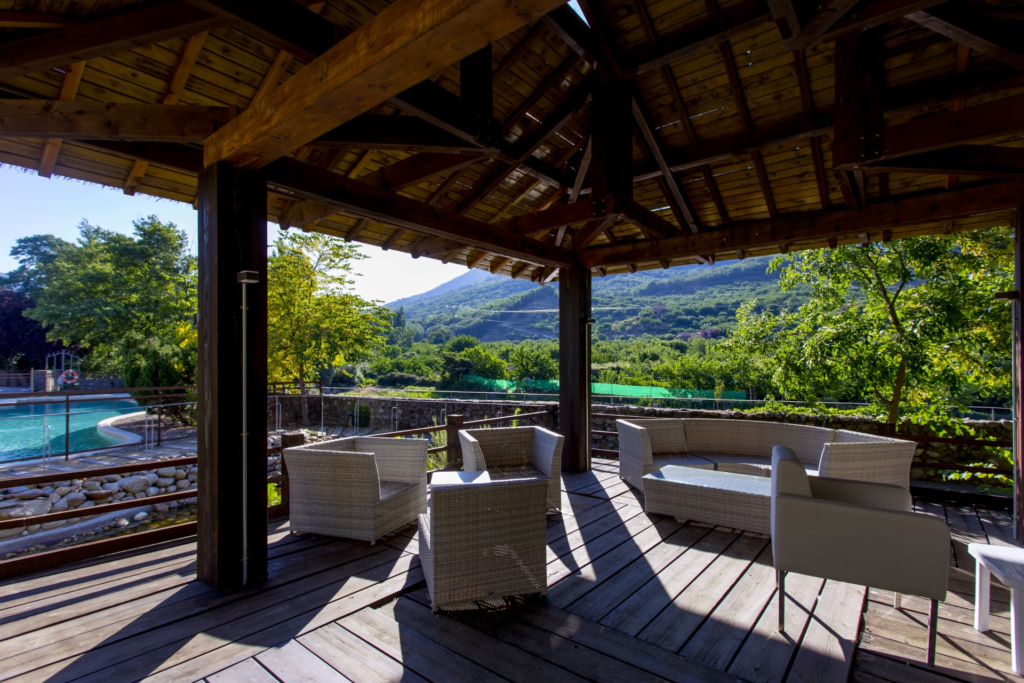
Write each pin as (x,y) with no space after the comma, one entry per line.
(631,597)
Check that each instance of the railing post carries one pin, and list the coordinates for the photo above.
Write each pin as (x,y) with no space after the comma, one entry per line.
(159,416)
(453,423)
(67,426)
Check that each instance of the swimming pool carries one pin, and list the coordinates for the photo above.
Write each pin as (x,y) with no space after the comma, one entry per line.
(22,426)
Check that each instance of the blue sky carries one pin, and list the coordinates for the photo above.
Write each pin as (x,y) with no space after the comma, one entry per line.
(32,205)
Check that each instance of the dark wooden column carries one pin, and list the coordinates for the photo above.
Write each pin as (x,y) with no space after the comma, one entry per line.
(232,238)
(1018,377)
(612,157)
(574,366)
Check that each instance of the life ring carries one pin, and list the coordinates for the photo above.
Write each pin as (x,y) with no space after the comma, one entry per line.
(69,377)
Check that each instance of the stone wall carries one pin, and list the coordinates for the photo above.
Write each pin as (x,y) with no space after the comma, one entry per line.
(46,380)
(392,414)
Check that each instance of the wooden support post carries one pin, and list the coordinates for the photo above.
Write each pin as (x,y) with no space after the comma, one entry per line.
(453,423)
(232,238)
(574,316)
(612,154)
(1018,378)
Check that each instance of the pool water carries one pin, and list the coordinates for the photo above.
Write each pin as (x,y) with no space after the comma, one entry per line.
(22,426)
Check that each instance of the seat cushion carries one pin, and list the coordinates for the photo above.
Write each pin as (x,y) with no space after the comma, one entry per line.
(393,488)
(740,464)
(681,460)
(515,472)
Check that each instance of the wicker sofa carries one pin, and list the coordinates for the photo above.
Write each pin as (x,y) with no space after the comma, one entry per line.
(516,453)
(745,447)
(359,487)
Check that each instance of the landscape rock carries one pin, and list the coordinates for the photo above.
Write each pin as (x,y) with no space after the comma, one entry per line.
(165,472)
(75,499)
(134,484)
(164,481)
(30,494)
(99,495)
(28,508)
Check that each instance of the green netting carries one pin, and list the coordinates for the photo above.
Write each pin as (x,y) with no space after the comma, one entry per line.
(600,388)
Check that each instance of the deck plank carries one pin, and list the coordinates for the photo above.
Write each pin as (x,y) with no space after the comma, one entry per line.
(355,658)
(826,652)
(414,651)
(293,663)
(247,671)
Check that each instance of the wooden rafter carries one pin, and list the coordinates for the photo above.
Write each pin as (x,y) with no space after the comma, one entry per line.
(716,196)
(331,89)
(791,229)
(517,53)
(189,55)
(392,240)
(729,64)
(280,64)
(304,181)
(698,36)
(819,172)
(557,77)
(578,36)
(529,144)
(284,24)
(141,24)
(399,133)
(473,260)
(676,198)
(602,30)
(762,179)
(872,13)
(357,229)
(35,20)
(971,160)
(497,263)
(110,120)
(68,91)
(800,29)
(958,21)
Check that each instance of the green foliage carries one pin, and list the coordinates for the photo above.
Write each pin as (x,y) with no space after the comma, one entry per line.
(155,363)
(315,321)
(91,292)
(905,322)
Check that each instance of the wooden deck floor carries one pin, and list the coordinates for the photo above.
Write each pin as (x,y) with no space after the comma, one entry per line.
(631,598)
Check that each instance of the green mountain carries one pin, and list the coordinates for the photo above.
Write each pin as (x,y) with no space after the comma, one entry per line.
(685,299)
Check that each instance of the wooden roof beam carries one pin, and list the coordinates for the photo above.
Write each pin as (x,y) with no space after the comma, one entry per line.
(529,144)
(386,51)
(868,14)
(400,133)
(800,29)
(517,53)
(498,263)
(304,181)
(417,169)
(541,221)
(556,77)
(996,39)
(789,228)
(602,30)
(141,24)
(189,55)
(675,196)
(357,229)
(36,20)
(473,260)
(578,36)
(971,160)
(697,36)
(285,24)
(110,120)
(68,91)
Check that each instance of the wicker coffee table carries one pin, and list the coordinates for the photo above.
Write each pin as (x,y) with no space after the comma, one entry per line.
(739,501)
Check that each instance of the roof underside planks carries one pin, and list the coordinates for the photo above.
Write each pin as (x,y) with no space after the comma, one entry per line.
(744,127)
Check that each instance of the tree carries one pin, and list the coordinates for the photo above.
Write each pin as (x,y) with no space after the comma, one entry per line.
(907,320)
(92,292)
(23,343)
(315,320)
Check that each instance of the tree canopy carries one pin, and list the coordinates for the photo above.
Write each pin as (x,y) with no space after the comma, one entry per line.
(315,320)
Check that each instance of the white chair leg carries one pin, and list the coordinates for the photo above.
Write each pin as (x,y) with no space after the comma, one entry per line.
(1016,634)
(897,601)
(982,592)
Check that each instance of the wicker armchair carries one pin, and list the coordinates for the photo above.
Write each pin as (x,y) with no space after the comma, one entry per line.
(361,487)
(483,540)
(515,453)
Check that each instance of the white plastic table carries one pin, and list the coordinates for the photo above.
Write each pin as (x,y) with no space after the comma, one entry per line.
(1007,563)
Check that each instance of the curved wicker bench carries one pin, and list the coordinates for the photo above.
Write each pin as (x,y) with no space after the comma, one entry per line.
(745,447)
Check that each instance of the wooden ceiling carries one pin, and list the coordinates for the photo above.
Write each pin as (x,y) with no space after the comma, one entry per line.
(733,108)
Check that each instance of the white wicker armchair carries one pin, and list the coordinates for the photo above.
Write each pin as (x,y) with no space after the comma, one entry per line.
(361,487)
(515,453)
(484,540)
